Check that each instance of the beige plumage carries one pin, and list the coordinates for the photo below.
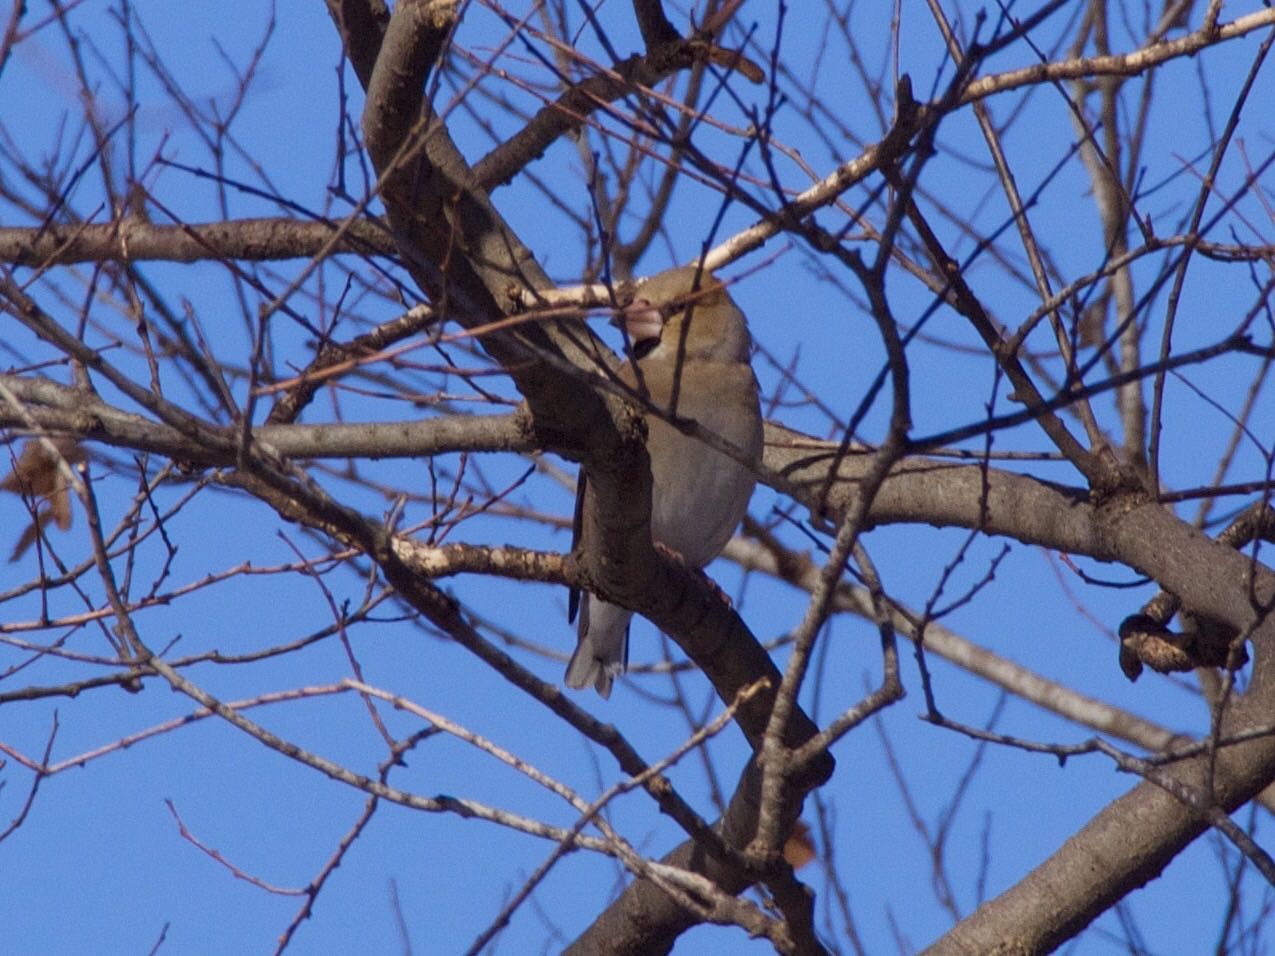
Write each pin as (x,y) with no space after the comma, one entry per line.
(693,345)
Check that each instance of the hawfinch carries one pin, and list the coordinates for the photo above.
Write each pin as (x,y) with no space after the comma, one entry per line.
(682,328)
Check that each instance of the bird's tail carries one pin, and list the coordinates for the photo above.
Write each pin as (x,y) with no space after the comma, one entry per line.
(603,651)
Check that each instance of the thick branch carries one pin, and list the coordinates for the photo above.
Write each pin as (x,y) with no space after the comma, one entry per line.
(136,240)
(1131,529)
(57,408)
(1125,846)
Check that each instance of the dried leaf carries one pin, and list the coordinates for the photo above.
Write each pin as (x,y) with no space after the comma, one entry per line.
(800,846)
(38,476)
(734,60)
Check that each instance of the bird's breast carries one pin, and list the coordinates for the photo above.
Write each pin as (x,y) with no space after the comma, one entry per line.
(700,494)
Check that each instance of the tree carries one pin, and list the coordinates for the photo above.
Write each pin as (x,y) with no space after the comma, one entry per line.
(291,385)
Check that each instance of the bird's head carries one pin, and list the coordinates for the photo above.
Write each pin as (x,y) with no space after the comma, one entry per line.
(685,311)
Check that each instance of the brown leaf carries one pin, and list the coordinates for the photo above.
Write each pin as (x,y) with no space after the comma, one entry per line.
(38,475)
(734,60)
(800,847)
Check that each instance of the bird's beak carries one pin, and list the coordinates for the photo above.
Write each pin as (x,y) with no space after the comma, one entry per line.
(641,321)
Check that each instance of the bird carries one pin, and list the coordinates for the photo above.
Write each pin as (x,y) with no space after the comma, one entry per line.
(689,346)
